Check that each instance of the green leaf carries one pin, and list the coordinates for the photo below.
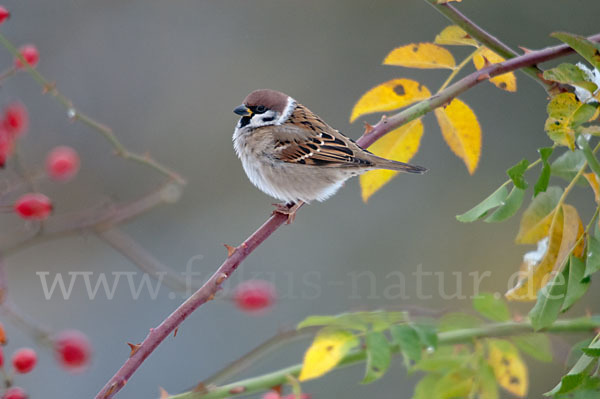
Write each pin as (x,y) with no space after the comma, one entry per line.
(378,356)
(577,285)
(488,387)
(361,321)
(592,263)
(426,387)
(509,208)
(576,351)
(570,74)
(569,383)
(583,364)
(542,183)
(480,210)
(491,307)
(441,363)
(427,335)
(591,352)
(458,321)
(342,321)
(567,165)
(516,174)
(455,384)
(537,346)
(407,339)
(587,49)
(549,302)
(589,155)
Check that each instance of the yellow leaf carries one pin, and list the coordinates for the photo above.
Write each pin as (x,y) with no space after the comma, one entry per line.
(389,96)
(565,114)
(461,131)
(562,237)
(400,145)
(509,368)
(421,55)
(536,219)
(594,184)
(326,351)
(507,81)
(454,35)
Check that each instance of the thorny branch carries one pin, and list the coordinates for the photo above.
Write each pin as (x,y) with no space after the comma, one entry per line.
(240,253)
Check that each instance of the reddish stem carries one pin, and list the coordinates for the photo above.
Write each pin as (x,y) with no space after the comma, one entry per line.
(210,288)
(202,295)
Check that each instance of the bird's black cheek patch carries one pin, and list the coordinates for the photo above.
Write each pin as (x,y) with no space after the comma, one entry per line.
(245,121)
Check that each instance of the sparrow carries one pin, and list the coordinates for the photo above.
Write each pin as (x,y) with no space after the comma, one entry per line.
(291,154)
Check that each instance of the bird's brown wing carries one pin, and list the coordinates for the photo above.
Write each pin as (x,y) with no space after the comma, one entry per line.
(305,139)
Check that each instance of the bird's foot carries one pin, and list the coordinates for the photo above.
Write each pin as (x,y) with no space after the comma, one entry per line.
(288,209)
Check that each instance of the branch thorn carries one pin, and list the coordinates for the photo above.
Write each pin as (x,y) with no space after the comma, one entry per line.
(221,278)
(134,348)
(163,393)
(230,250)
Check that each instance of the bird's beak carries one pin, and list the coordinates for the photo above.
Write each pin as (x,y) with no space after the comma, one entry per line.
(242,110)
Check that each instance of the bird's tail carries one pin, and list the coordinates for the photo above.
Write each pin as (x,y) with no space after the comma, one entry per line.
(399,166)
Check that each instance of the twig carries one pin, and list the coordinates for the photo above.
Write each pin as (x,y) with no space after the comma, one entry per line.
(93,220)
(142,258)
(244,362)
(511,328)
(210,288)
(444,97)
(203,295)
(38,331)
(485,38)
(74,114)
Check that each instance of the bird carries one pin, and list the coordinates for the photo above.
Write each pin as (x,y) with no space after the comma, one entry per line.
(291,154)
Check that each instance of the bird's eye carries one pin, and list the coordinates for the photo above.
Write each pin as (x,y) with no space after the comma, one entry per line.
(260,109)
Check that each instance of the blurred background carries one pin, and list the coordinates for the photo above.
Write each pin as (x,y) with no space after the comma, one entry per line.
(165,75)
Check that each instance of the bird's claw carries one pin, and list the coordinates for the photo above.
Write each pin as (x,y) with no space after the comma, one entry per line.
(288,210)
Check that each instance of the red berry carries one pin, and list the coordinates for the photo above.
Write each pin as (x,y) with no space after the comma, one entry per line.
(73,350)
(62,163)
(16,119)
(255,295)
(6,147)
(15,393)
(4,14)
(33,206)
(1,358)
(24,360)
(31,55)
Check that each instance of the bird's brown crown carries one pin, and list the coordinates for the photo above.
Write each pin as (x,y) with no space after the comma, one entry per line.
(271,99)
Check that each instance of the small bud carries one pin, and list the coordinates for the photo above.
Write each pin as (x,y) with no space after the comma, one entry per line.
(255,296)
(2,335)
(62,163)
(15,393)
(33,206)
(31,55)
(73,350)
(4,14)
(24,360)
(16,120)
